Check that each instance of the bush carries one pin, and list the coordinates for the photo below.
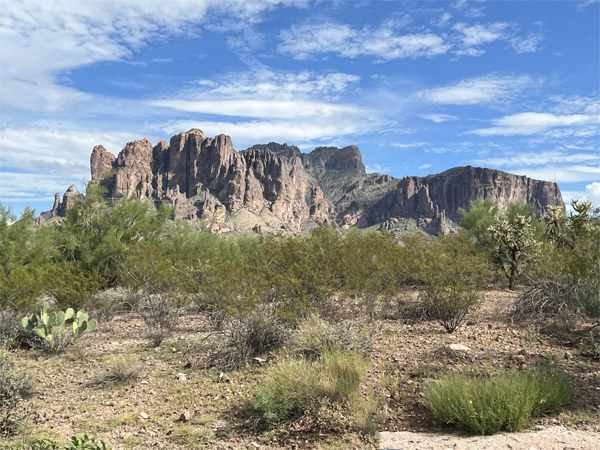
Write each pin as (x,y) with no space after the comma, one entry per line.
(13,387)
(121,370)
(160,312)
(296,386)
(314,335)
(250,335)
(12,333)
(450,305)
(503,402)
(292,387)
(105,305)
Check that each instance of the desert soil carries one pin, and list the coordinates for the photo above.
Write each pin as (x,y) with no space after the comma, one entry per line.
(405,353)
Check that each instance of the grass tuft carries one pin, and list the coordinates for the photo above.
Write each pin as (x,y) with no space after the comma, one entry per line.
(502,402)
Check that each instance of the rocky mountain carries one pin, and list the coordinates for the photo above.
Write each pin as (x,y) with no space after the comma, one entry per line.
(275,187)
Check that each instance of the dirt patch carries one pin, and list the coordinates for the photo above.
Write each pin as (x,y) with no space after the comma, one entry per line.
(553,438)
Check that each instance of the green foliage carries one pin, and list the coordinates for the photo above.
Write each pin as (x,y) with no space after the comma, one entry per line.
(449,305)
(296,386)
(486,405)
(79,441)
(97,235)
(44,325)
(478,219)
(49,327)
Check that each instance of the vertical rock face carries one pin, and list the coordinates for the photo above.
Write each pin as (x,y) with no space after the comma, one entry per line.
(275,187)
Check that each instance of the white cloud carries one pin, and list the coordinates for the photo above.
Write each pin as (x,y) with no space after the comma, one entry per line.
(408,144)
(298,106)
(377,168)
(31,149)
(442,21)
(245,134)
(424,166)
(385,42)
(480,34)
(528,44)
(564,174)
(520,159)
(474,12)
(478,90)
(438,118)
(592,193)
(533,123)
(43,39)
(585,4)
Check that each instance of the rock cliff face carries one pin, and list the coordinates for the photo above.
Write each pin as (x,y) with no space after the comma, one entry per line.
(275,187)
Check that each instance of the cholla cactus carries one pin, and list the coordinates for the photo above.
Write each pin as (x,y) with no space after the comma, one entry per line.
(557,226)
(514,244)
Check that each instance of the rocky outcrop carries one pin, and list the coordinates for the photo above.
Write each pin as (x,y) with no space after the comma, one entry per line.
(59,209)
(277,188)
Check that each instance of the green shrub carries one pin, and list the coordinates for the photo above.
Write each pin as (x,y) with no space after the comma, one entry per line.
(80,441)
(502,402)
(292,386)
(296,386)
(315,334)
(348,369)
(449,305)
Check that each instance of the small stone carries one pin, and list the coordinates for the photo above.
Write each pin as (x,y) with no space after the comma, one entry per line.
(459,348)
(224,378)
(568,355)
(185,416)
(429,380)
(260,361)
(188,365)
(143,382)
(144,416)
(254,444)
(470,323)
(181,377)
(174,350)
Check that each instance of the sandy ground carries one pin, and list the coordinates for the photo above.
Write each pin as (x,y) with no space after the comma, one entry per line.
(551,438)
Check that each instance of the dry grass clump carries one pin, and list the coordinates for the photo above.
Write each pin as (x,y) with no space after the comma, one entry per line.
(557,301)
(105,305)
(122,369)
(160,312)
(252,334)
(315,334)
(12,333)
(13,388)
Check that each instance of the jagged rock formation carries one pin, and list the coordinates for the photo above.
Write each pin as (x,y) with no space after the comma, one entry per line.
(277,188)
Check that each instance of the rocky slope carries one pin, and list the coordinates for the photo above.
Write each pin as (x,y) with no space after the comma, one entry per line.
(276,187)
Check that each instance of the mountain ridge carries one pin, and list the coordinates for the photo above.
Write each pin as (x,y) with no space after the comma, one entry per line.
(277,188)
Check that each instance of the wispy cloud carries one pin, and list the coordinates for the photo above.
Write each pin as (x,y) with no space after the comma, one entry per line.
(532,123)
(386,42)
(527,44)
(42,39)
(519,159)
(424,166)
(377,168)
(438,118)
(408,144)
(476,35)
(478,90)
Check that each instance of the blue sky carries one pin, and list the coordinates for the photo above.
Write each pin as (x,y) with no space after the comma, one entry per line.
(419,86)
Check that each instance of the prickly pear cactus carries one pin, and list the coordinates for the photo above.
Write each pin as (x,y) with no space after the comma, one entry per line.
(82,324)
(44,324)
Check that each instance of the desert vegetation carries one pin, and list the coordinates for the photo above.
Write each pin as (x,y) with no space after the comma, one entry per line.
(119,325)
